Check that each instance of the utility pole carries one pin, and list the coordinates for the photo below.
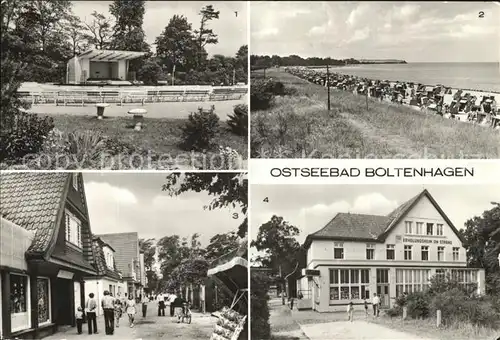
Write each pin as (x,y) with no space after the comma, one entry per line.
(328,84)
(234,77)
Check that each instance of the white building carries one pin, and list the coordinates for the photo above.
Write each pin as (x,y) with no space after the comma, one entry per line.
(108,277)
(355,256)
(100,64)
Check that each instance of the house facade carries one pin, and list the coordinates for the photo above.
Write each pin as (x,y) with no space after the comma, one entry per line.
(128,260)
(46,251)
(355,256)
(108,277)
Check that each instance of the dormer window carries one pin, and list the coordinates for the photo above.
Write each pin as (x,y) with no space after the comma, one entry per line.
(75,181)
(108,256)
(73,228)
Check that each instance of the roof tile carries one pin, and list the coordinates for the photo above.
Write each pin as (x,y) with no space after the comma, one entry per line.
(32,200)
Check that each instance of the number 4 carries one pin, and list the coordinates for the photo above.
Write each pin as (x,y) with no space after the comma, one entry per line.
(266,200)
(481,14)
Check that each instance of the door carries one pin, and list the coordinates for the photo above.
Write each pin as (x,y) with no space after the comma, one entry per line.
(383,287)
(77,294)
(64,298)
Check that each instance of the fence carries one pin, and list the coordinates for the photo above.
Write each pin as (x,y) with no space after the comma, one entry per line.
(124,96)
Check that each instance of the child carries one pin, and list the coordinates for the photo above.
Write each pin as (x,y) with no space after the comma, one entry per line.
(79,320)
(366,308)
(131,311)
(350,311)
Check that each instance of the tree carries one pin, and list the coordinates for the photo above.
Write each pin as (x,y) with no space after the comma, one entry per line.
(229,189)
(221,244)
(150,72)
(276,238)
(76,34)
(176,44)
(482,250)
(205,35)
(128,33)
(98,31)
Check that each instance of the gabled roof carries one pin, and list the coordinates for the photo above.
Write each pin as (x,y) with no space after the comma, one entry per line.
(110,55)
(126,246)
(34,201)
(100,260)
(375,228)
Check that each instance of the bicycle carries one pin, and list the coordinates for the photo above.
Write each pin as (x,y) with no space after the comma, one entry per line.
(186,313)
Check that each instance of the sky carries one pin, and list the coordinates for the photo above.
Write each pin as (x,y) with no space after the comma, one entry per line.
(311,207)
(231,29)
(124,202)
(413,31)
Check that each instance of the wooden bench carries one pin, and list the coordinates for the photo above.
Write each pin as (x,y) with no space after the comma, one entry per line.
(221,94)
(170,96)
(71,97)
(133,97)
(112,96)
(196,95)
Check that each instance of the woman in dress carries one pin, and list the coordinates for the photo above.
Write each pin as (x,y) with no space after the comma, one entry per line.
(131,310)
(118,310)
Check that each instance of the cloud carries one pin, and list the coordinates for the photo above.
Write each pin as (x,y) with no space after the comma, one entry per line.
(360,35)
(105,191)
(266,32)
(406,11)
(321,29)
(357,14)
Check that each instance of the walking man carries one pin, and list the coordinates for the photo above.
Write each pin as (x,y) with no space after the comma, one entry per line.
(375,303)
(145,301)
(108,305)
(91,307)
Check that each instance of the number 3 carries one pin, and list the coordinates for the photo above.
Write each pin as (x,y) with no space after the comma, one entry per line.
(481,14)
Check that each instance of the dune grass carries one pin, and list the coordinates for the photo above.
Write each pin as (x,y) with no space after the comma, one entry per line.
(359,127)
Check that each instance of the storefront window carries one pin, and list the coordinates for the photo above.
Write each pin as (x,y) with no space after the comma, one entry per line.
(18,293)
(411,280)
(349,284)
(42,285)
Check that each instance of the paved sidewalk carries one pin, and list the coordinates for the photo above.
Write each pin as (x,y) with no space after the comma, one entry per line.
(354,330)
(172,110)
(151,327)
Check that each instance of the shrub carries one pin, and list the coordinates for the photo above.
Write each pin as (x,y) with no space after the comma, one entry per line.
(260,328)
(150,72)
(395,311)
(456,306)
(238,122)
(201,130)
(418,305)
(260,95)
(23,134)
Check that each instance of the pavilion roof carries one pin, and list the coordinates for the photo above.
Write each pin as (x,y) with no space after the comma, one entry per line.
(110,55)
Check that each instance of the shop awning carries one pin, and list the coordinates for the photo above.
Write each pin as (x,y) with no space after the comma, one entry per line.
(15,241)
(110,55)
(232,268)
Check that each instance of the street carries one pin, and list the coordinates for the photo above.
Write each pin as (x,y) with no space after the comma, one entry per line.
(301,325)
(151,327)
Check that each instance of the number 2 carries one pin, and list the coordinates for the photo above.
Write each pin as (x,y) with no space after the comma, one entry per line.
(481,14)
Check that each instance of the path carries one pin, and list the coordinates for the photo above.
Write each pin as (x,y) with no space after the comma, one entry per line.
(354,330)
(174,110)
(151,327)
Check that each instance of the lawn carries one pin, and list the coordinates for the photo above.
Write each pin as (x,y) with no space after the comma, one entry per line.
(300,126)
(112,143)
(428,328)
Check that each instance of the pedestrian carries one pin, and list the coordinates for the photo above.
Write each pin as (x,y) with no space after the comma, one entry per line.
(171,299)
(375,303)
(178,307)
(91,308)
(161,307)
(79,320)
(291,303)
(350,311)
(378,305)
(145,301)
(118,310)
(108,305)
(366,308)
(131,310)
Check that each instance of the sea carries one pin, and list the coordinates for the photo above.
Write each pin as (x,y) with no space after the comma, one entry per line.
(467,76)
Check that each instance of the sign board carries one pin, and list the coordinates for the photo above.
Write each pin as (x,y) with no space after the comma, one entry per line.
(310,272)
(425,241)
(63,274)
